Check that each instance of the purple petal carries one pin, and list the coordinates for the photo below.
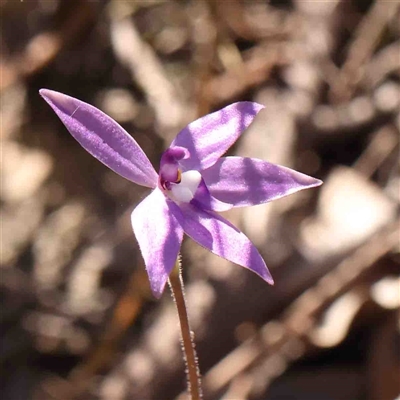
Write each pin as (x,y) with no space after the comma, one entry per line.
(249,181)
(219,236)
(156,225)
(209,137)
(204,200)
(103,138)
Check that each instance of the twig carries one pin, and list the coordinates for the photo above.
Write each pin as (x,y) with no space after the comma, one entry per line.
(148,71)
(366,38)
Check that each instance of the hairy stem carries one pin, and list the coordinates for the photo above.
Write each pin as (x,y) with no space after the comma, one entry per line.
(192,370)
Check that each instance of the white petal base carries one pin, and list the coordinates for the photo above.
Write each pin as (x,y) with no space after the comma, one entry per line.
(186,189)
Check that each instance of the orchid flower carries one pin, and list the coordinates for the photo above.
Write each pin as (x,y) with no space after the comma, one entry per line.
(194,182)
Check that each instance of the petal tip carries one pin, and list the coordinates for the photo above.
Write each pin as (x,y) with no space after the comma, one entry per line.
(251,107)
(48,95)
(60,101)
(157,291)
(259,106)
(266,276)
(317,182)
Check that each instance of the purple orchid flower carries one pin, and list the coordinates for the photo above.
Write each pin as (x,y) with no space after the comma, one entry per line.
(193,183)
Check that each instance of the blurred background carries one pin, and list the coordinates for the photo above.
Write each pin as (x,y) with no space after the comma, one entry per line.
(78,320)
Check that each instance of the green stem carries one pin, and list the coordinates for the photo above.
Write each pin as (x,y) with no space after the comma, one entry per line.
(192,370)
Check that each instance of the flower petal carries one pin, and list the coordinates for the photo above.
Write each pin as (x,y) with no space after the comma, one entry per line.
(103,138)
(205,201)
(157,228)
(249,181)
(209,137)
(218,235)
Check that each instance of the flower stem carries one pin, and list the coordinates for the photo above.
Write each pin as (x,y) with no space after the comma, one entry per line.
(192,369)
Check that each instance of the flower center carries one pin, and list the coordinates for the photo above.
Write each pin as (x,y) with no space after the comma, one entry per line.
(185,189)
(177,185)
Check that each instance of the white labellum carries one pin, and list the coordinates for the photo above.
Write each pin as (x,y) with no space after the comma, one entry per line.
(185,190)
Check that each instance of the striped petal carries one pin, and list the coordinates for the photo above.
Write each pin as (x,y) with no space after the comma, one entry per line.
(219,236)
(209,137)
(248,181)
(157,228)
(103,138)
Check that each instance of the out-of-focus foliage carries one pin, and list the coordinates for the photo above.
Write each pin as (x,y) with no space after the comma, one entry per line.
(78,320)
